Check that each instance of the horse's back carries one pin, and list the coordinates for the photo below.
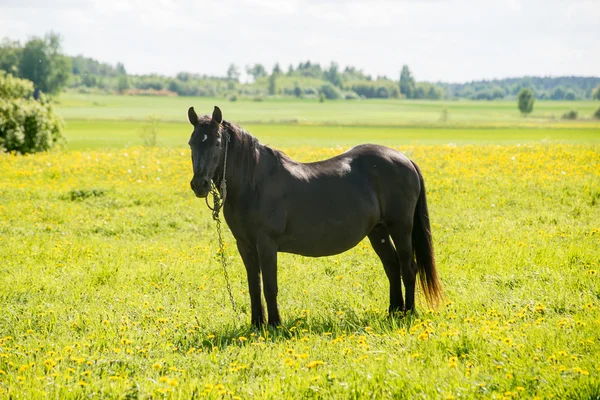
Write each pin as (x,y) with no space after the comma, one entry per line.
(329,206)
(393,177)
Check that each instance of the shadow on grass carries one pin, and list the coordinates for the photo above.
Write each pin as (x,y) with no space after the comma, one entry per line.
(327,327)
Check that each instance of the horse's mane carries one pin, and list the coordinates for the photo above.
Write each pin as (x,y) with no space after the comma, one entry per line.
(246,150)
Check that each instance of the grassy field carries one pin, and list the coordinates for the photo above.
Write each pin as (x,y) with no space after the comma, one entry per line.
(115,121)
(110,285)
(364,112)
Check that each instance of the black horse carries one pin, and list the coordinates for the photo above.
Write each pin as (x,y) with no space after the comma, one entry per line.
(274,204)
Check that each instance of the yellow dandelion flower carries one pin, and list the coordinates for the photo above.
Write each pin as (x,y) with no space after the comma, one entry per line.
(314,364)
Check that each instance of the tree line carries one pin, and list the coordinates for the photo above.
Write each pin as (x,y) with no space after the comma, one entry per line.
(41,61)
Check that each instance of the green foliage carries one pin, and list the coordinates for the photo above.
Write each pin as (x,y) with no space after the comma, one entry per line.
(10,54)
(273,83)
(256,71)
(407,83)
(570,95)
(149,131)
(332,75)
(233,73)
(444,116)
(123,83)
(14,88)
(82,194)
(544,87)
(26,125)
(379,89)
(42,63)
(426,90)
(330,91)
(597,114)
(571,114)
(558,93)
(525,101)
(596,93)
(297,90)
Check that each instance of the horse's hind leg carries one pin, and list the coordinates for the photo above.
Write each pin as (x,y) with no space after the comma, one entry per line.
(380,240)
(402,236)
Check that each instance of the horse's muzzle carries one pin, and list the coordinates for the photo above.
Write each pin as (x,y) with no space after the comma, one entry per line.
(201,187)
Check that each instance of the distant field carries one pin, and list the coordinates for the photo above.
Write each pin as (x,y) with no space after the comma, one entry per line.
(96,121)
(98,134)
(292,111)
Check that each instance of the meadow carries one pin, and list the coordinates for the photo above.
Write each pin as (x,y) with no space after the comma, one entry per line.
(111,287)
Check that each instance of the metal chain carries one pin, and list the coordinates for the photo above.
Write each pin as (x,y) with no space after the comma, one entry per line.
(218,202)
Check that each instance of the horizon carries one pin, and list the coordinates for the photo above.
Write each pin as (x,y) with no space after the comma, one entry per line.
(341,67)
(454,41)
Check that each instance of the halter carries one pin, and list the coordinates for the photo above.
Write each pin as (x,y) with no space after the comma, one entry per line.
(220,193)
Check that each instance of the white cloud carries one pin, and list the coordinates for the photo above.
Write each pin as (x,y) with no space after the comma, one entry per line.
(452,40)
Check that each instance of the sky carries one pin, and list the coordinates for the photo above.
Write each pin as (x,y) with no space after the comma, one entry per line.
(450,41)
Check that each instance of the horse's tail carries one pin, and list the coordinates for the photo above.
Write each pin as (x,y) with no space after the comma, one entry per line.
(423,248)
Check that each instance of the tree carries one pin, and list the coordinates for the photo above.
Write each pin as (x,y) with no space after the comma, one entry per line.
(10,54)
(42,63)
(558,93)
(123,84)
(596,93)
(332,74)
(297,90)
(276,69)
(570,94)
(525,101)
(407,83)
(121,69)
(272,84)
(233,73)
(256,71)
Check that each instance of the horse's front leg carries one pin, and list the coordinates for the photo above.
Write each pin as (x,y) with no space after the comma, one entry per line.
(250,258)
(267,256)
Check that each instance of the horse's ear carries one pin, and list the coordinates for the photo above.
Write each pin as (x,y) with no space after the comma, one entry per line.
(192,116)
(217,116)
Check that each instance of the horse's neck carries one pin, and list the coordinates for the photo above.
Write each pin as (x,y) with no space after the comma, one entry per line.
(237,164)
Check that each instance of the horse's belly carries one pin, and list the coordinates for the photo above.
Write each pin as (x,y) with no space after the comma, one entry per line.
(326,237)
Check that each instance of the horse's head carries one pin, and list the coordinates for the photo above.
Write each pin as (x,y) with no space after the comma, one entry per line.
(205,144)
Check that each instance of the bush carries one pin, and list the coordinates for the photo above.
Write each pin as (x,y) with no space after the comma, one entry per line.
(525,100)
(570,115)
(26,125)
(597,114)
(330,92)
(149,131)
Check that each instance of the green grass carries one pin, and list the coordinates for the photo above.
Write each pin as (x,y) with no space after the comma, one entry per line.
(110,285)
(106,134)
(364,112)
